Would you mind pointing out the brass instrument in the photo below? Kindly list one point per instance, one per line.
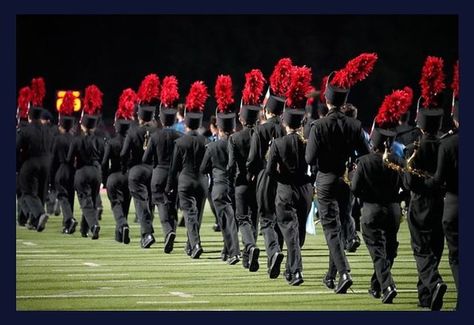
(409, 168)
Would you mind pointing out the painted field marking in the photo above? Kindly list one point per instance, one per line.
(91, 264)
(28, 243)
(112, 281)
(172, 302)
(99, 274)
(273, 293)
(181, 294)
(42, 255)
(37, 251)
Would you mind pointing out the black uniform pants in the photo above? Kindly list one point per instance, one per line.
(87, 183)
(34, 175)
(192, 196)
(139, 183)
(119, 197)
(22, 216)
(327, 186)
(292, 205)
(425, 215)
(348, 230)
(246, 214)
(64, 184)
(451, 231)
(167, 204)
(266, 192)
(211, 202)
(380, 224)
(221, 196)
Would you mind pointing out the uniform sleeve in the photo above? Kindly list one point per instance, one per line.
(439, 177)
(72, 151)
(206, 164)
(125, 153)
(254, 161)
(148, 154)
(362, 145)
(55, 160)
(271, 168)
(311, 153)
(358, 181)
(105, 159)
(175, 168)
(231, 165)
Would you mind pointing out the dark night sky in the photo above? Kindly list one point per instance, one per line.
(116, 52)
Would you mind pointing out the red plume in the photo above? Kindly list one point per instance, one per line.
(38, 91)
(93, 100)
(455, 83)
(67, 106)
(253, 88)
(197, 97)
(149, 89)
(432, 80)
(300, 86)
(355, 70)
(169, 91)
(24, 98)
(280, 77)
(127, 101)
(223, 93)
(393, 107)
(323, 89)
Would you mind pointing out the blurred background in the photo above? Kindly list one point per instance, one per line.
(117, 51)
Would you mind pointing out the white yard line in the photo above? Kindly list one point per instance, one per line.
(91, 264)
(181, 294)
(112, 281)
(172, 302)
(98, 274)
(28, 243)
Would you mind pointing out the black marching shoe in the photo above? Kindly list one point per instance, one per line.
(296, 279)
(224, 255)
(345, 282)
(424, 305)
(147, 241)
(30, 225)
(118, 235)
(287, 275)
(72, 226)
(196, 252)
(42, 222)
(95, 232)
(233, 260)
(353, 245)
(389, 294)
(216, 227)
(329, 282)
(254, 253)
(169, 242)
(376, 293)
(126, 235)
(274, 269)
(438, 294)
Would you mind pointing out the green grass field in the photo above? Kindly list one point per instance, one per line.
(67, 272)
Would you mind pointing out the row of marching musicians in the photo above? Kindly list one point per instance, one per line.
(262, 175)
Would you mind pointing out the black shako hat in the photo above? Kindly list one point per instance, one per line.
(89, 121)
(168, 115)
(429, 118)
(379, 136)
(193, 120)
(35, 112)
(122, 126)
(273, 104)
(335, 95)
(67, 122)
(226, 120)
(146, 113)
(249, 114)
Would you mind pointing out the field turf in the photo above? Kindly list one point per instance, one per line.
(67, 272)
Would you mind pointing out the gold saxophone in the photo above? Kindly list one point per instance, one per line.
(410, 162)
